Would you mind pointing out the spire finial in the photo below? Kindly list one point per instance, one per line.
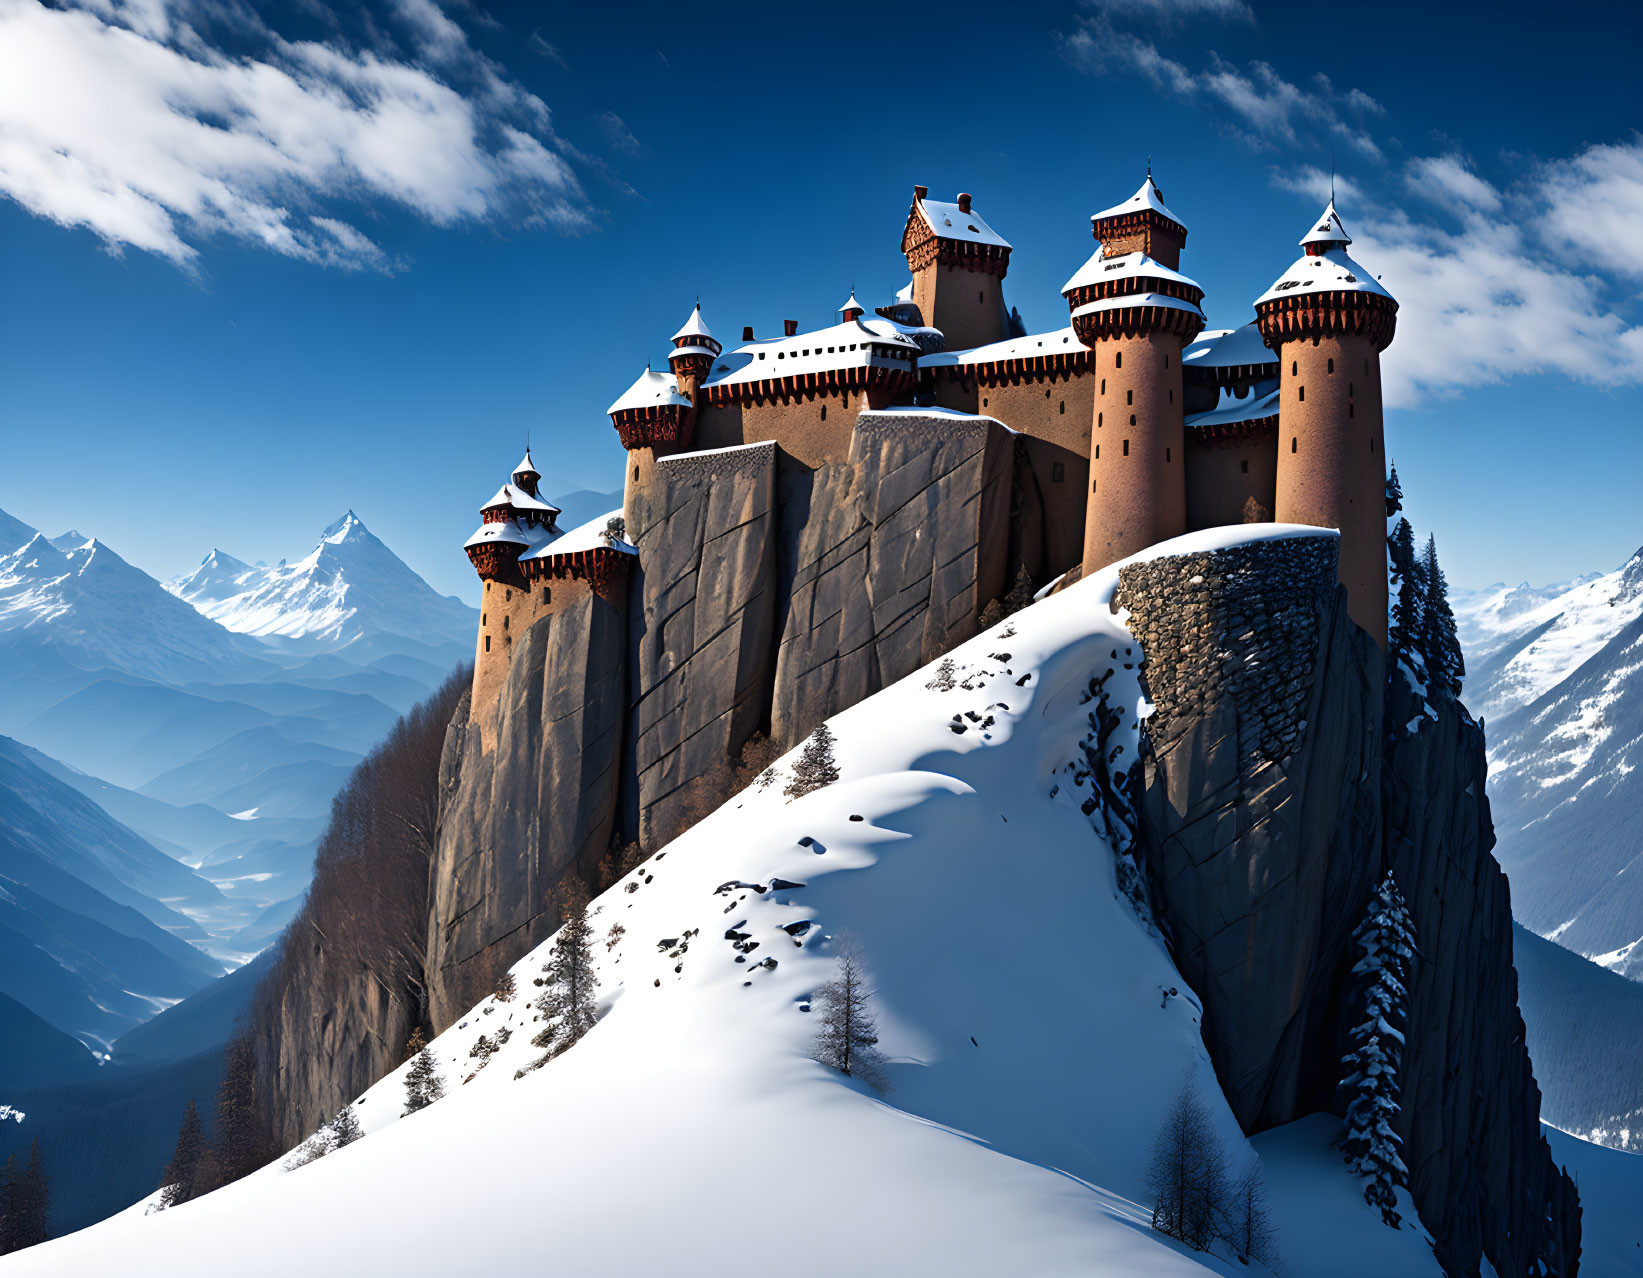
(1332, 174)
(1149, 168)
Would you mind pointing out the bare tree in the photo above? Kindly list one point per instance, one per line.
(1187, 1175)
(1249, 1221)
(847, 1038)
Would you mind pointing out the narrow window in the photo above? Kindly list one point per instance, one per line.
(1126, 448)
(1058, 473)
(1118, 360)
(1092, 485)
(1300, 394)
(1166, 361)
(824, 412)
(1098, 452)
(504, 622)
(1166, 455)
(482, 619)
(984, 401)
(487, 587)
(1132, 422)
(1332, 366)
(980, 299)
(1294, 367)
(1245, 465)
(1129, 397)
(636, 470)
(507, 595)
(1103, 385)
(1063, 408)
(1098, 418)
(487, 643)
(1294, 444)
(1351, 410)
(1172, 397)
(1046, 392)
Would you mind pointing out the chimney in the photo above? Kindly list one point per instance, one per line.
(919, 192)
(747, 333)
(963, 201)
(791, 327)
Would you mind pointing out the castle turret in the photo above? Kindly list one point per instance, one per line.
(852, 309)
(693, 353)
(526, 476)
(1135, 312)
(958, 264)
(1328, 321)
(654, 418)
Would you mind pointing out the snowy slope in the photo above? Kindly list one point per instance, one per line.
(1027, 1012)
(90, 601)
(349, 589)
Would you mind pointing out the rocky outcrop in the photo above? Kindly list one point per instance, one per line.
(1260, 826)
(893, 555)
(514, 818)
(1479, 1169)
(702, 640)
(1273, 803)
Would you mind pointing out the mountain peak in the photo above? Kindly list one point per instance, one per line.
(349, 528)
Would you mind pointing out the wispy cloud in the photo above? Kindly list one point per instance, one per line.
(120, 117)
(617, 133)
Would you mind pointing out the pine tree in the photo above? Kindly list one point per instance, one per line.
(1187, 1174)
(25, 1203)
(9, 1187)
(506, 987)
(345, 1128)
(190, 1172)
(1371, 1068)
(1394, 493)
(569, 998)
(423, 1081)
(241, 1145)
(1404, 635)
(1440, 644)
(847, 1038)
(816, 767)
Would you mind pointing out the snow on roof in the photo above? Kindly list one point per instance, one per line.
(650, 390)
(1136, 299)
(950, 222)
(1231, 410)
(845, 345)
(504, 532)
(1328, 229)
(1331, 271)
(1033, 346)
(588, 536)
(1148, 197)
(1128, 267)
(851, 304)
(695, 326)
(1229, 348)
(527, 467)
(691, 348)
(905, 294)
(519, 499)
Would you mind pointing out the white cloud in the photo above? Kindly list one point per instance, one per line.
(1448, 182)
(120, 119)
(1168, 11)
(1594, 205)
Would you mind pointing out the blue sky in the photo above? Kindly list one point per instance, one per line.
(260, 266)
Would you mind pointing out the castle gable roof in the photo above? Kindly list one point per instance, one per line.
(1061, 341)
(1100, 270)
(1229, 348)
(650, 390)
(949, 222)
(1147, 198)
(1331, 271)
(588, 536)
(855, 343)
(1328, 229)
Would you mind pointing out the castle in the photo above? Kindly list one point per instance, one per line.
(1134, 424)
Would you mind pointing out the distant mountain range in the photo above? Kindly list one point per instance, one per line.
(1555, 671)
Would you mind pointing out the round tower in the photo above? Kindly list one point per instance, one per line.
(1135, 312)
(526, 476)
(653, 418)
(1328, 320)
(692, 356)
(852, 309)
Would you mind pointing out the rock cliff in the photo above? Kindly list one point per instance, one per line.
(1273, 802)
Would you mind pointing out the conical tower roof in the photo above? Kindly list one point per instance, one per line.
(527, 467)
(1327, 232)
(695, 326)
(1148, 198)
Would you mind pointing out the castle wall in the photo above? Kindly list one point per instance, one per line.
(1332, 461)
(506, 611)
(813, 431)
(968, 306)
(1223, 476)
(1137, 465)
(1055, 414)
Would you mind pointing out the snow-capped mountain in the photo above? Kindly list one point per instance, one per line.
(1027, 1013)
(87, 600)
(1556, 673)
(349, 590)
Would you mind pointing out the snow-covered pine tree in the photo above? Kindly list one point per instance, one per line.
(1187, 1174)
(816, 767)
(569, 998)
(345, 1128)
(1404, 635)
(189, 1173)
(1370, 1081)
(1440, 644)
(1394, 493)
(847, 1037)
(423, 1082)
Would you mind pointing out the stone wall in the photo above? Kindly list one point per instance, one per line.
(1260, 813)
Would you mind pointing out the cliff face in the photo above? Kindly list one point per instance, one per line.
(1479, 1169)
(1273, 803)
